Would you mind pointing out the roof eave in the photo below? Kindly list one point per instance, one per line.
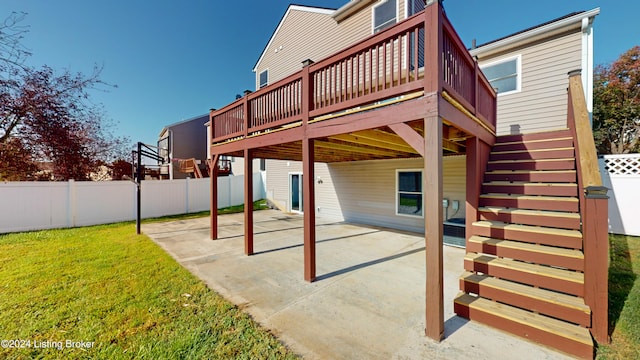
(291, 7)
(536, 33)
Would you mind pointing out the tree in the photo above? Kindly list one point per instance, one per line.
(50, 116)
(616, 100)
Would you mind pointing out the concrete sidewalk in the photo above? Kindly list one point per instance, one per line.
(367, 303)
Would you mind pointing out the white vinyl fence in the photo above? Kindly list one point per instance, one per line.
(621, 174)
(45, 205)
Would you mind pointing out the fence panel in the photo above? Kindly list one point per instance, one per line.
(621, 174)
(29, 206)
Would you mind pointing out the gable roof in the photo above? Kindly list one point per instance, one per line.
(292, 7)
(536, 32)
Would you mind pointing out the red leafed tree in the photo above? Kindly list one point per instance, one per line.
(48, 118)
(616, 104)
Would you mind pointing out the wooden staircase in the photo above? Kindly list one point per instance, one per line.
(525, 261)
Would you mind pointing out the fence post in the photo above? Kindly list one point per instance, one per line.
(71, 203)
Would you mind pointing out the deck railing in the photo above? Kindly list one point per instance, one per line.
(593, 210)
(392, 63)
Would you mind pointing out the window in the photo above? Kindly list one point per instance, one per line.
(264, 79)
(385, 14)
(409, 192)
(415, 6)
(504, 75)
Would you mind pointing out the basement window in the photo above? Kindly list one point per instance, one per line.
(504, 75)
(409, 200)
(385, 14)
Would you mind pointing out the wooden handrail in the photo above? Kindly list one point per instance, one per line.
(593, 211)
(589, 169)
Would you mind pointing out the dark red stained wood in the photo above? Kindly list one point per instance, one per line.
(432, 184)
(530, 237)
(553, 205)
(596, 251)
(525, 255)
(248, 202)
(308, 205)
(549, 308)
(556, 164)
(410, 136)
(532, 176)
(537, 220)
(534, 279)
(477, 154)
(540, 154)
(534, 136)
(213, 204)
(530, 189)
(398, 113)
(530, 333)
(535, 145)
(462, 121)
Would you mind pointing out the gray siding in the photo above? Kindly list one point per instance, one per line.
(542, 102)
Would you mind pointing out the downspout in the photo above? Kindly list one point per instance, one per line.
(587, 64)
(170, 154)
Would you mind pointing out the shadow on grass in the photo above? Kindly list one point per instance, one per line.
(621, 277)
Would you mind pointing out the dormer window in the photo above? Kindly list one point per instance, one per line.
(385, 14)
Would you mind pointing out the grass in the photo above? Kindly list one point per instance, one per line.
(257, 205)
(106, 285)
(624, 299)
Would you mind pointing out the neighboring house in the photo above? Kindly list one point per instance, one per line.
(366, 136)
(181, 141)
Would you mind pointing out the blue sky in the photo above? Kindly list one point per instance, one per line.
(173, 60)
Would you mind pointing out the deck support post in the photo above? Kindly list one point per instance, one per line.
(433, 217)
(248, 202)
(477, 157)
(213, 205)
(308, 206)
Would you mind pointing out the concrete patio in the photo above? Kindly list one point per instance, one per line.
(368, 301)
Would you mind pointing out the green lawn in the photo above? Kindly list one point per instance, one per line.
(624, 299)
(107, 286)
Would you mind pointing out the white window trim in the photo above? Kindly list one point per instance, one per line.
(259, 75)
(518, 59)
(289, 204)
(398, 171)
(373, 14)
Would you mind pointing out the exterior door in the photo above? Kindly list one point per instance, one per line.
(295, 192)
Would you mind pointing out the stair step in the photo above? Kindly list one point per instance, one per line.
(531, 175)
(560, 306)
(532, 154)
(548, 143)
(531, 188)
(571, 239)
(558, 334)
(538, 254)
(557, 219)
(534, 202)
(531, 164)
(566, 281)
(557, 133)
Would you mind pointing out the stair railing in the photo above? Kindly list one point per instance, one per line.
(593, 210)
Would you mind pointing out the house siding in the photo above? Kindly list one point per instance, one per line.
(298, 27)
(365, 191)
(541, 104)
